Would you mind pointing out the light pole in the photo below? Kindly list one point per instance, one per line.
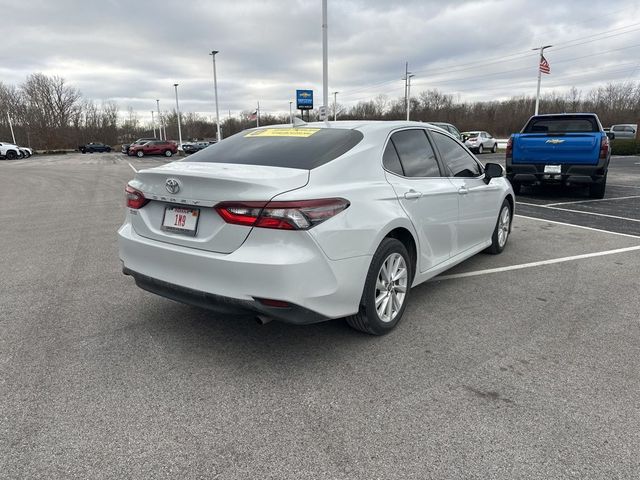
(215, 90)
(335, 108)
(159, 121)
(291, 112)
(539, 74)
(153, 124)
(325, 61)
(178, 112)
(409, 94)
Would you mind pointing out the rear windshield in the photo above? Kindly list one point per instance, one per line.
(305, 148)
(562, 124)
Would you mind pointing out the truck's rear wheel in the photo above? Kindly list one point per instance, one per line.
(596, 189)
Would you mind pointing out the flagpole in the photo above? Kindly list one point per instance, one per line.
(11, 127)
(258, 115)
(539, 75)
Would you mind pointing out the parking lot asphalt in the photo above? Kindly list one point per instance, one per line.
(522, 365)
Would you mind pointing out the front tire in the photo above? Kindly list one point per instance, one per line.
(502, 230)
(139, 154)
(480, 149)
(386, 289)
(495, 148)
(168, 153)
(11, 155)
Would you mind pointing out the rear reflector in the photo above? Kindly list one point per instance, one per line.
(135, 198)
(292, 215)
(269, 302)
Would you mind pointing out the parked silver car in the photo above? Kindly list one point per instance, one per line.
(480, 141)
(624, 130)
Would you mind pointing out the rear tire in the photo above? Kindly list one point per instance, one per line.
(108, 150)
(139, 154)
(11, 155)
(386, 289)
(495, 148)
(480, 149)
(168, 153)
(502, 230)
(596, 190)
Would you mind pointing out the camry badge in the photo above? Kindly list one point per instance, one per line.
(554, 141)
(172, 185)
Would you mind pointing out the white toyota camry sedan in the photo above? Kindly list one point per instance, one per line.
(309, 223)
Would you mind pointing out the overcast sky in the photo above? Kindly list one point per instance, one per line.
(133, 51)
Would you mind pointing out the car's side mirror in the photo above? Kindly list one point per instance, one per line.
(611, 135)
(492, 170)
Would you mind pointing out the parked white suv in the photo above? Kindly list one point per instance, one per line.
(9, 151)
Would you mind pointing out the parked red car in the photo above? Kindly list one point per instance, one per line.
(155, 147)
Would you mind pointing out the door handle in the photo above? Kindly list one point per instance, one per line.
(412, 194)
(463, 190)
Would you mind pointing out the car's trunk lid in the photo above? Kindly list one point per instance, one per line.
(201, 186)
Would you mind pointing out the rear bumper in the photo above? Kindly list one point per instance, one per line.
(532, 173)
(279, 265)
(225, 305)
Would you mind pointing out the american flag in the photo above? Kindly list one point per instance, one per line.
(253, 116)
(544, 65)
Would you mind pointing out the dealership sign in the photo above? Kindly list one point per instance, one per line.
(304, 99)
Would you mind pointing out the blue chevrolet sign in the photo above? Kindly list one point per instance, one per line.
(304, 99)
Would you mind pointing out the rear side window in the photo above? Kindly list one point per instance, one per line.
(562, 124)
(456, 158)
(304, 148)
(416, 154)
(391, 161)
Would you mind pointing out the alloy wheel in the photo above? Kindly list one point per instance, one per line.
(503, 226)
(391, 287)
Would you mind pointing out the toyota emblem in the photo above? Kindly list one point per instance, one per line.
(172, 185)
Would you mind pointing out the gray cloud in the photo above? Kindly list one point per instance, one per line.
(133, 52)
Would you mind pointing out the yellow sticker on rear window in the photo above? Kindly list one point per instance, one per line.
(283, 132)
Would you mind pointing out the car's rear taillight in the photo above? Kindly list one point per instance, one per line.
(135, 198)
(291, 215)
(604, 147)
(509, 153)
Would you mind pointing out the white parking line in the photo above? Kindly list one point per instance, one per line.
(133, 168)
(580, 211)
(579, 226)
(589, 201)
(536, 264)
(624, 186)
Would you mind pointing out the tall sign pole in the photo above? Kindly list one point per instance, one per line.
(175, 85)
(215, 89)
(335, 106)
(539, 74)
(325, 61)
(153, 124)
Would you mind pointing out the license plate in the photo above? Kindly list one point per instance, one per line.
(552, 169)
(181, 220)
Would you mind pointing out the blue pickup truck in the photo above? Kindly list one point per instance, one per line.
(568, 148)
